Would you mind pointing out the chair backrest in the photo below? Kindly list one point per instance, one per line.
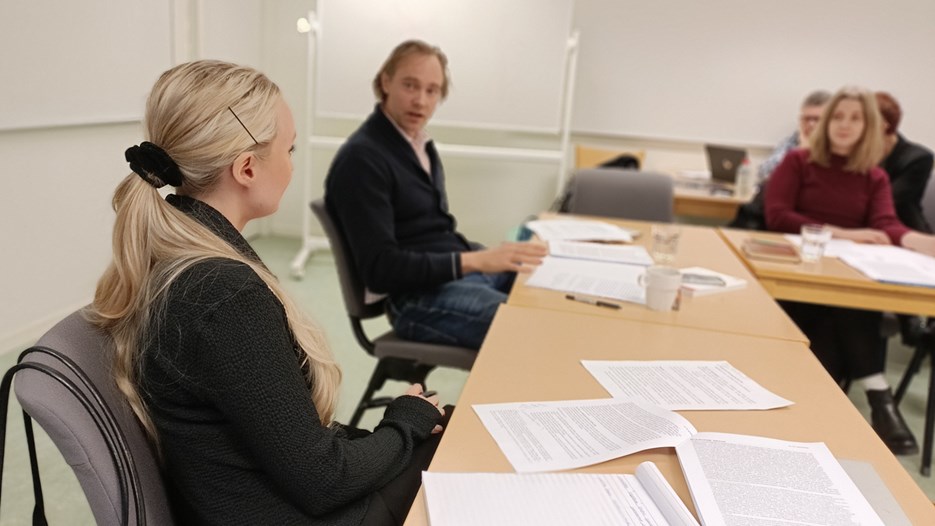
(627, 194)
(352, 288)
(592, 157)
(72, 426)
(928, 202)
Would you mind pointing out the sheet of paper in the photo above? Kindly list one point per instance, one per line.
(738, 479)
(578, 229)
(683, 384)
(551, 436)
(593, 278)
(891, 264)
(544, 499)
(627, 254)
(834, 249)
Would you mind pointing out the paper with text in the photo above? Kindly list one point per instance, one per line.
(683, 384)
(554, 499)
(594, 278)
(626, 254)
(892, 264)
(550, 436)
(755, 481)
(579, 229)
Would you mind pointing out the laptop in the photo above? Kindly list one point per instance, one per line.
(724, 161)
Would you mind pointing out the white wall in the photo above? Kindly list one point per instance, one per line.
(55, 217)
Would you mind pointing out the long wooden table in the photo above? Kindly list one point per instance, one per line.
(748, 311)
(533, 354)
(830, 282)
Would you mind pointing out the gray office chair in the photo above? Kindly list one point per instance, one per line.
(626, 194)
(64, 382)
(924, 347)
(397, 359)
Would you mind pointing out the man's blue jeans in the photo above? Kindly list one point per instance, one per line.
(456, 313)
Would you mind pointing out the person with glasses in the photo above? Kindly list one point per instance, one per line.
(386, 192)
(750, 215)
(234, 385)
(809, 113)
(837, 181)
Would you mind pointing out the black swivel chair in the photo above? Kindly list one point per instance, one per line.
(924, 347)
(65, 384)
(397, 359)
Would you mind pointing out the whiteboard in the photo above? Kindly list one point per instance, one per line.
(77, 62)
(735, 71)
(506, 57)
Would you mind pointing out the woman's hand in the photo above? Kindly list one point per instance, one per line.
(417, 391)
(869, 236)
(923, 243)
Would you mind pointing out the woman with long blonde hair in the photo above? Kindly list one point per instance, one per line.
(836, 181)
(234, 385)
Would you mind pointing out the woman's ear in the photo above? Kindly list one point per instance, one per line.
(244, 169)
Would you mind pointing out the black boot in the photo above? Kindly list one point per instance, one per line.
(889, 424)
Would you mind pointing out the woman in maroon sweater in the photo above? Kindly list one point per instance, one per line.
(836, 181)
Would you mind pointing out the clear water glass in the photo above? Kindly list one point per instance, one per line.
(815, 239)
(665, 244)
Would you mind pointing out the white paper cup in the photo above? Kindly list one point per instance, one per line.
(662, 286)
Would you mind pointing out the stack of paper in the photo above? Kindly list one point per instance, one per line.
(580, 230)
(552, 436)
(737, 479)
(593, 278)
(680, 385)
(625, 254)
(554, 499)
(891, 264)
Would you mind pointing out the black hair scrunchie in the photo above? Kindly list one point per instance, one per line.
(154, 165)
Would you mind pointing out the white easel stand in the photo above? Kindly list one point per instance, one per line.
(310, 243)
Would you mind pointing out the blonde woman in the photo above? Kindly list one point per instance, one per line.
(836, 181)
(233, 384)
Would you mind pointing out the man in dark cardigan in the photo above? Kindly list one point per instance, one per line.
(386, 192)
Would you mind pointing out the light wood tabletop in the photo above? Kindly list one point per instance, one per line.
(829, 282)
(749, 310)
(534, 354)
(701, 203)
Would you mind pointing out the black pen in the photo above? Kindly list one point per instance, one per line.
(426, 394)
(592, 301)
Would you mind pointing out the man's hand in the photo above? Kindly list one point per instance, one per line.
(869, 236)
(515, 257)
